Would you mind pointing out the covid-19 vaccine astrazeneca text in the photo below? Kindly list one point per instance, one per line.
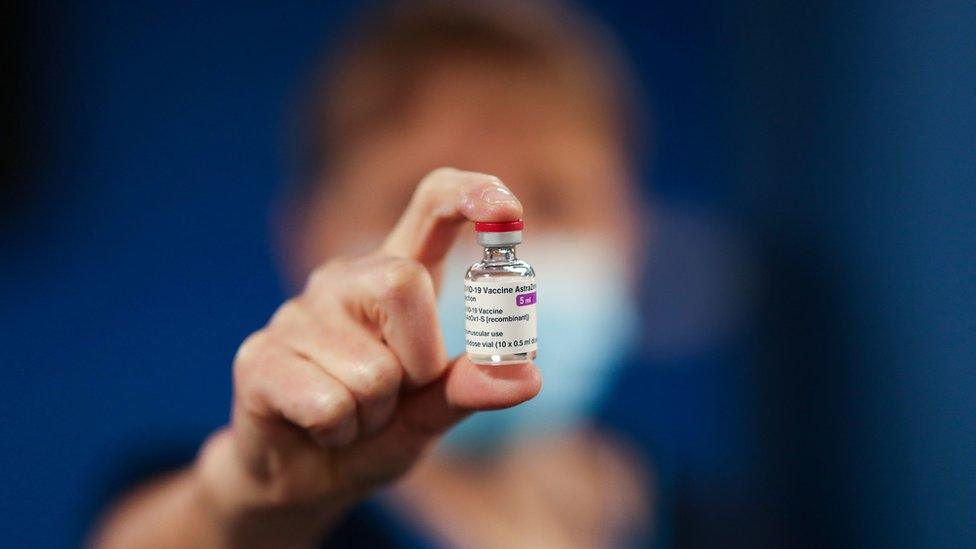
(500, 299)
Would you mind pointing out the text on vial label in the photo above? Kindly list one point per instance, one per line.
(500, 316)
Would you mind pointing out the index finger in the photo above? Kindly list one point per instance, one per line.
(444, 199)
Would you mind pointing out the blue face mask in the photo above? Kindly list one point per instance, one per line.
(587, 319)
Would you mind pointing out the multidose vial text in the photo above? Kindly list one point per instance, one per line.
(500, 299)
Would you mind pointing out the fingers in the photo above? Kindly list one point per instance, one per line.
(394, 296)
(425, 414)
(394, 290)
(467, 388)
(360, 353)
(274, 383)
(442, 201)
(366, 367)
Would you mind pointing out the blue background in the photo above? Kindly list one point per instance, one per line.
(823, 151)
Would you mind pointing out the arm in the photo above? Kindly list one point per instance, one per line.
(341, 392)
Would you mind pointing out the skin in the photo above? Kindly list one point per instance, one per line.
(571, 173)
(344, 388)
(348, 385)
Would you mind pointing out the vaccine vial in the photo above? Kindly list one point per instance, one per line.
(500, 299)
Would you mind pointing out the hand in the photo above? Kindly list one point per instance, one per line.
(349, 382)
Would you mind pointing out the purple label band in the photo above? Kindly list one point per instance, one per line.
(525, 299)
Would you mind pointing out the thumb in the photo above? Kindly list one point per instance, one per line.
(465, 388)
(424, 414)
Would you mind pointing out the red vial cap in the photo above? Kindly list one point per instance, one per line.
(498, 226)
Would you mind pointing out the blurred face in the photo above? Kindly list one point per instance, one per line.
(548, 145)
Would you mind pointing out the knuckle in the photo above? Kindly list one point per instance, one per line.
(255, 355)
(321, 277)
(286, 313)
(402, 278)
(439, 173)
(292, 319)
(324, 410)
(255, 350)
(435, 182)
(376, 379)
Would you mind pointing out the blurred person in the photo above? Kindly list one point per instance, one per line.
(349, 387)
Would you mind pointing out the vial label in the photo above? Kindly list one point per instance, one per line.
(500, 316)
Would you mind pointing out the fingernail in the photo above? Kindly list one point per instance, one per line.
(498, 195)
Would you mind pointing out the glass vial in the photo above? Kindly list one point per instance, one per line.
(500, 299)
